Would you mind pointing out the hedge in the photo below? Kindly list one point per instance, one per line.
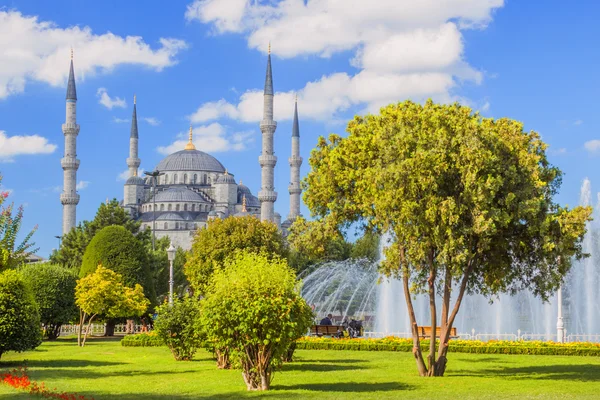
(142, 340)
(457, 346)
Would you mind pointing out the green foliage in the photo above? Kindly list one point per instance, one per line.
(105, 293)
(117, 249)
(222, 238)
(159, 269)
(312, 242)
(467, 201)
(254, 309)
(142, 340)
(179, 327)
(75, 242)
(19, 315)
(53, 288)
(367, 246)
(456, 346)
(12, 253)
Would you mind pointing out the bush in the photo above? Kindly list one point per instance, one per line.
(142, 340)
(179, 327)
(253, 308)
(19, 315)
(54, 291)
(456, 346)
(222, 238)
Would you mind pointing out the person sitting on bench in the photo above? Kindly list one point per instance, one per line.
(326, 320)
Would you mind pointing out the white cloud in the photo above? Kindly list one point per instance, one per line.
(593, 146)
(107, 101)
(151, 121)
(404, 49)
(123, 176)
(211, 138)
(578, 122)
(34, 50)
(11, 146)
(120, 120)
(82, 185)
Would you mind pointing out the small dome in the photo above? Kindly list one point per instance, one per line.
(226, 178)
(179, 195)
(135, 180)
(190, 160)
(170, 216)
(243, 189)
(212, 213)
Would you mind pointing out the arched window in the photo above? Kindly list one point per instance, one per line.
(175, 179)
(185, 178)
(185, 207)
(195, 178)
(204, 179)
(176, 207)
(193, 207)
(195, 226)
(166, 179)
(155, 207)
(169, 207)
(176, 225)
(166, 226)
(162, 207)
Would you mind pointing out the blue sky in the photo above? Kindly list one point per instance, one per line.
(203, 62)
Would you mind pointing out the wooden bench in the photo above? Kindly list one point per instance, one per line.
(326, 330)
(425, 332)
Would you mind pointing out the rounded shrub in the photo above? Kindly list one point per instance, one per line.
(53, 288)
(179, 327)
(254, 310)
(19, 315)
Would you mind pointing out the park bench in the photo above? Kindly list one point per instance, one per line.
(326, 330)
(425, 332)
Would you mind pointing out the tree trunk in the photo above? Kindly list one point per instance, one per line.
(417, 353)
(110, 328)
(223, 358)
(289, 354)
(433, 312)
(87, 331)
(82, 317)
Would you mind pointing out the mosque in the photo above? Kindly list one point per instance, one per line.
(189, 187)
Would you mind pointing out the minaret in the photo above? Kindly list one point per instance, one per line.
(295, 163)
(69, 197)
(267, 160)
(133, 162)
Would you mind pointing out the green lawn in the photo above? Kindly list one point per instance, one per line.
(105, 370)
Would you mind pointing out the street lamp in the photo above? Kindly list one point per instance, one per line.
(154, 175)
(171, 256)
(560, 325)
(59, 238)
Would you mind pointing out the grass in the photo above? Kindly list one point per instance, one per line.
(106, 370)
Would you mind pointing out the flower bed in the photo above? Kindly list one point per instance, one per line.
(458, 346)
(18, 379)
(142, 340)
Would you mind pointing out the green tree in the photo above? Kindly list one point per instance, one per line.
(180, 327)
(312, 242)
(467, 201)
(53, 288)
(367, 246)
(13, 253)
(159, 269)
(75, 242)
(222, 238)
(104, 293)
(253, 308)
(19, 315)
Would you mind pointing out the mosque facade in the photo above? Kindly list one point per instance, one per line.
(189, 187)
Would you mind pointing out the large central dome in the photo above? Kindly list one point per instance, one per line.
(190, 160)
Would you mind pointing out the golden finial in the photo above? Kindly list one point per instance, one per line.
(269, 47)
(226, 173)
(244, 203)
(134, 98)
(71, 53)
(241, 183)
(190, 144)
(107, 201)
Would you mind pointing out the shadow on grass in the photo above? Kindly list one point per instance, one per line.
(347, 387)
(495, 360)
(337, 361)
(319, 367)
(582, 373)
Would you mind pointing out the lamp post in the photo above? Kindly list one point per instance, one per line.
(154, 175)
(171, 256)
(560, 325)
(59, 238)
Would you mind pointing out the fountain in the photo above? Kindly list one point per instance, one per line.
(354, 289)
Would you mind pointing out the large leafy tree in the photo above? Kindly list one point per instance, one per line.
(253, 308)
(75, 242)
(222, 238)
(13, 253)
(467, 202)
(105, 293)
(19, 315)
(53, 288)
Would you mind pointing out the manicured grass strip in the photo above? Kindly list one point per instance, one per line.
(455, 346)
